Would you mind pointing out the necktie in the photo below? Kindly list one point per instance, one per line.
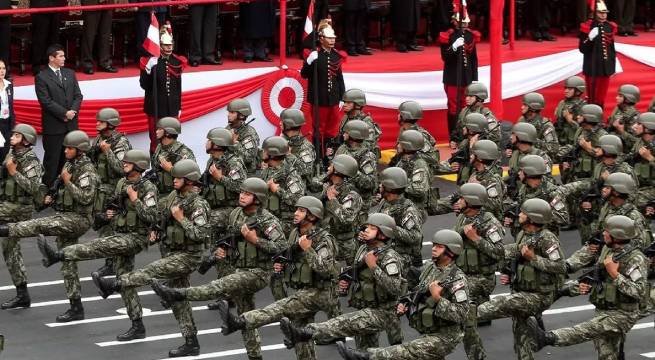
(58, 72)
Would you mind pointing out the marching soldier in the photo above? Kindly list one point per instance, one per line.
(476, 93)
(582, 156)
(354, 101)
(19, 186)
(482, 251)
(303, 149)
(137, 198)
(409, 113)
(310, 271)
(537, 268)
(642, 156)
(475, 130)
(244, 135)
(599, 57)
(524, 136)
(533, 103)
(378, 283)
(186, 225)
(417, 169)
(107, 151)
(72, 199)
(565, 129)
(618, 295)
(624, 114)
(258, 236)
(440, 311)
(168, 153)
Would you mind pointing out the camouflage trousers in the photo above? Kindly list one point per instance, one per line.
(581, 258)
(67, 227)
(364, 325)
(607, 330)
(241, 287)
(10, 213)
(218, 221)
(121, 247)
(175, 269)
(300, 308)
(427, 347)
(480, 288)
(519, 306)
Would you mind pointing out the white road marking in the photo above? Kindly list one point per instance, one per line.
(86, 299)
(45, 283)
(117, 317)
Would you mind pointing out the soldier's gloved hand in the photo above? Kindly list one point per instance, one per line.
(312, 57)
(458, 43)
(593, 33)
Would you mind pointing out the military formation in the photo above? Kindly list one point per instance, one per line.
(267, 213)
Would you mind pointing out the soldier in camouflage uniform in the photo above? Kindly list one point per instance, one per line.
(419, 172)
(366, 181)
(184, 229)
(376, 285)
(223, 176)
(618, 189)
(439, 312)
(625, 111)
(301, 148)
(574, 87)
(258, 236)
(581, 157)
(354, 101)
(538, 269)
(547, 141)
(482, 251)
(137, 198)
(246, 136)
(20, 177)
(107, 151)
(409, 113)
(642, 156)
(73, 204)
(310, 271)
(168, 152)
(476, 94)
(524, 136)
(618, 296)
(531, 173)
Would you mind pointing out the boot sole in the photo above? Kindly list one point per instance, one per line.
(136, 337)
(192, 353)
(18, 306)
(76, 318)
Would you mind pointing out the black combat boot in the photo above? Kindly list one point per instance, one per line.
(231, 322)
(189, 348)
(541, 337)
(50, 255)
(254, 357)
(4, 230)
(22, 299)
(107, 269)
(137, 331)
(351, 354)
(294, 335)
(107, 286)
(214, 305)
(168, 295)
(76, 312)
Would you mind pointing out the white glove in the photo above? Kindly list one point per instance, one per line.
(593, 33)
(458, 43)
(312, 56)
(2, 141)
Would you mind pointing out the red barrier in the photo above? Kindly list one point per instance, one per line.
(495, 48)
(512, 23)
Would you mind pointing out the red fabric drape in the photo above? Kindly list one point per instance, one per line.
(195, 103)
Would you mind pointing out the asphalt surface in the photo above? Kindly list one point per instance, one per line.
(33, 334)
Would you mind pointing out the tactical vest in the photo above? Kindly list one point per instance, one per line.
(607, 296)
(299, 274)
(247, 255)
(398, 215)
(9, 189)
(529, 278)
(275, 205)
(586, 163)
(424, 319)
(471, 260)
(175, 240)
(366, 293)
(216, 194)
(64, 200)
(102, 163)
(129, 221)
(644, 170)
(165, 179)
(342, 231)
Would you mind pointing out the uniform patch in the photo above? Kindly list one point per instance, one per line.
(553, 253)
(460, 296)
(293, 187)
(427, 147)
(84, 181)
(248, 143)
(307, 156)
(273, 232)
(198, 217)
(234, 174)
(120, 155)
(391, 269)
(494, 235)
(348, 201)
(548, 135)
(417, 176)
(368, 168)
(323, 252)
(557, 204)
(149, 200)
(408, 222)
(31, 172)
(634, 273)
(492, 192)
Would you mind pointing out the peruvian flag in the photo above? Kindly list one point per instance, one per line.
(151, 44)
(309, 22)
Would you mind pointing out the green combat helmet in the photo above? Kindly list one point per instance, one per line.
(537, 210)
(525, 132)
(28, 132)
(450, 239)
(345, 165)
(357, 129)
(220, 137)
(139, 158)
(312, 204)
(410, 111)
(533, 165)
(476, 123)
(630, 93)
(474, 194)
(479, 90)
(621, 227)
(355, 96)
(276, 146)
(575, 82)
(534, 101)
(77, 139)
(592, 113)
(170, 125)
(241, 106)
(257, 187)
(186, 169)
(486, 150)
(611, 145)
(411, 140)
(109, 115)
(393, 178)
(384, 222)
(292, 118)
(621, 183)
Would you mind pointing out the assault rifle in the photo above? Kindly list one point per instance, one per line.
(461, 156)
(286, 256)
(95, 151)
(596, 275)
(650, 250)
(512, 269)
(350, 273)
(413, 298)
(53, 190)
(512, 211)
(220, 163)
(635, 157)
(512, 184)
(227, 242)
(160, 227)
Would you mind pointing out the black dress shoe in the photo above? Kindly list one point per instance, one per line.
(401, 48)
(548, 37)
(247, 60)
(632, 33)
(414, 48)
(352, 53)
(264, 59)
(364, 52)
(622, 33)
(212, 62)
(109, 69)
(88, 71)
(194, 63)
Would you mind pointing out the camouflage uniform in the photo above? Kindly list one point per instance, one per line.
(248, 145)
(374, 295)
(585, 163)
(626, 113)
(173, 152)
(311, 275)
(546, 134)
(514, 165)
(533, 289)
(494, 126)
(479, 261)
(429, 152)
(341, 217)
(564, 130)
(366, 180)
(184, 241)
(305, 152)
(645, 172)
(253, 269)
(420, 178)
(549, 192)
(373, 136)
(441, 332)
(16, 204)
(73, 206)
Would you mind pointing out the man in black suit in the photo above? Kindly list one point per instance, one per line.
(60, 98)
(45, 32)
(355, 14)
(96, 31)
(405, 17)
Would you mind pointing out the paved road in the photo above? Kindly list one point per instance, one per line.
(33, 334)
